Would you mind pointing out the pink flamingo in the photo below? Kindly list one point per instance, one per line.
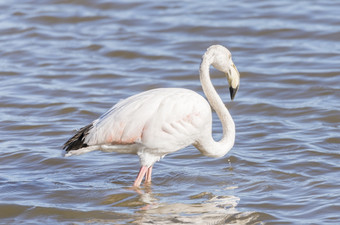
(157, 122)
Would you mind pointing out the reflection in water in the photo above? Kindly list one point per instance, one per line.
(151, 209)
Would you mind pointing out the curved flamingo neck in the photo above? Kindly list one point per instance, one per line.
(209, 146)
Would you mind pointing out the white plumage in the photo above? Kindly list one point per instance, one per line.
(160, 121)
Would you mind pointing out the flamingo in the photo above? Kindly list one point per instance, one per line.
(160, 121)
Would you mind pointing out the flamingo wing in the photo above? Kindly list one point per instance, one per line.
(165, 119)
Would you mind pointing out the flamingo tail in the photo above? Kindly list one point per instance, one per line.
(77, 141)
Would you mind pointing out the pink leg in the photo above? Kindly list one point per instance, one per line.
(148, 175)
(140, 176)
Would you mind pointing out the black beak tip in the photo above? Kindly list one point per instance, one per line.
(233, 92)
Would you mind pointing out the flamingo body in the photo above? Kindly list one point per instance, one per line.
(161, 121)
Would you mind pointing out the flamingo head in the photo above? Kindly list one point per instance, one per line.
(221, 59)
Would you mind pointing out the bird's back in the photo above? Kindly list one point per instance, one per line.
(165, 119)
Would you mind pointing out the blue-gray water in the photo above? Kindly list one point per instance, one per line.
(64, 63)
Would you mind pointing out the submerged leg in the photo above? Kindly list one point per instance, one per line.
(140, 176)
(148, 175)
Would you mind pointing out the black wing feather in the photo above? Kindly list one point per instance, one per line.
(77, 141)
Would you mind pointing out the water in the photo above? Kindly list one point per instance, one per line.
(64, 63)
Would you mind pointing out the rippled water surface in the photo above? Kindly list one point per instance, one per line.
(64, 63)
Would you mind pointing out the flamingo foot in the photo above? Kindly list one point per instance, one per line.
(142, 172)
(140, 176)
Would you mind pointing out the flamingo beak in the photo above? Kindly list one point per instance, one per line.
(234, 81)
(233, 92)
